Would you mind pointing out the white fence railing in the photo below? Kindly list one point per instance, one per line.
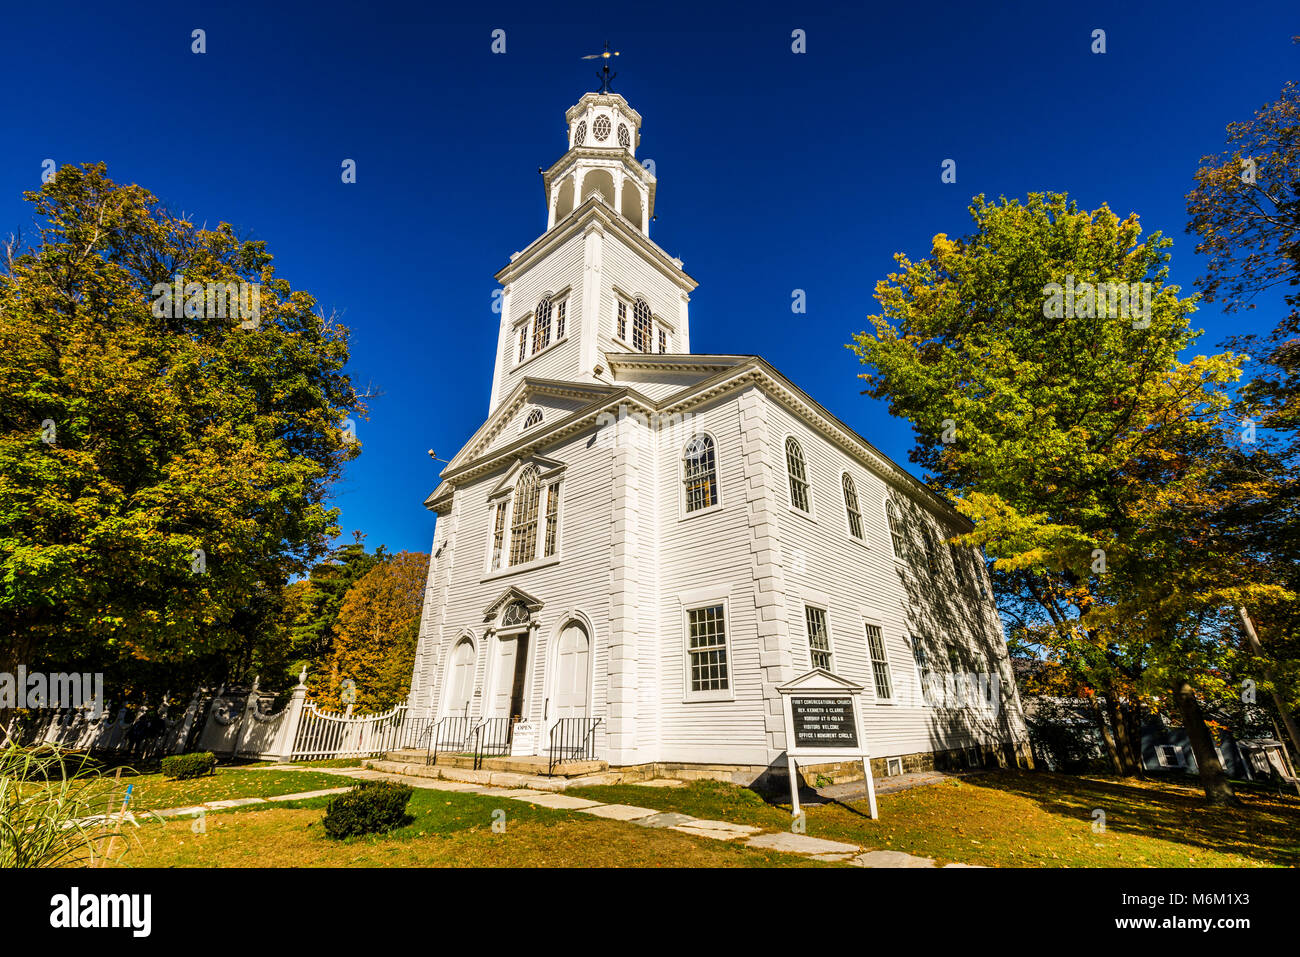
(235, 726)
(322, 735)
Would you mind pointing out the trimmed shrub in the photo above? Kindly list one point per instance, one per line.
(180, 767)
(370, 808)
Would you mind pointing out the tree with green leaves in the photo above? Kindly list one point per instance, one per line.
(315, 628)
(1038, 362)
(164, 468)
(1245, 212)
(377, 629)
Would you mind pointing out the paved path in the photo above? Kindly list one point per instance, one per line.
(786, 842)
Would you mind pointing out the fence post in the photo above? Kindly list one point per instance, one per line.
(187, 723)
(288, 731)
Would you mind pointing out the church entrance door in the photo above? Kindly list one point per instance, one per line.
(572, 672)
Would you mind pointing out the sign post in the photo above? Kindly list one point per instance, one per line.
(822, 722)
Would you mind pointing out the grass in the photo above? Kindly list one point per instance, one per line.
(1019, 819)
(449, 829)
(1001, 819)
(156, 793)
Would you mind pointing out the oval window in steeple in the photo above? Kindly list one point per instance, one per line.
(600, 128)
(580, 134)
(624, 137)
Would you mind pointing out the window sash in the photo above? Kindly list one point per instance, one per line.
(707, 648)
(819, 642)
(498, 536)
(523, 528)
(879, 662)
(642, 326)
(895, 530)
(851, 506)
(560, 309)
(552, 517)
(542, 326)
(794, 466)
(700, 475)
(622, 320)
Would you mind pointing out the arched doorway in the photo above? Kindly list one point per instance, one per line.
(460, 679)
(572, 672)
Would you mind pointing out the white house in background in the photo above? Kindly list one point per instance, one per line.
(659, 539)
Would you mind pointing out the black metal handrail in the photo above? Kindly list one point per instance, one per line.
(576, 741)
(492, 738)
(449, 733)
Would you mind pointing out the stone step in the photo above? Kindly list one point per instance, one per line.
(516, 764)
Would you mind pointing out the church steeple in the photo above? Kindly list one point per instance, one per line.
(593, 283)
(604, 133)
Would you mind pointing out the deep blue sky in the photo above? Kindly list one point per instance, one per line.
(776, 171)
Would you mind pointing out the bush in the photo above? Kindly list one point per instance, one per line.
(181, 767)
(370, 808)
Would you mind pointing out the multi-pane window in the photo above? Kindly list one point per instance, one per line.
(879, 663)
(794, 466)
(523, 524)
(819, 640)
(707, 648)
(542, 326)
(498, 535)
(700, 473)
(560, 308)
(642, 326)
(663, 341)
(896, 530)
(622, 320)
(552, 517)
(924, 673)
(851, 506)
(931, 553)
(523, 343)
(959, 565)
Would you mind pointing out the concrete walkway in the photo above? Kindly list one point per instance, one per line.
(786, 842)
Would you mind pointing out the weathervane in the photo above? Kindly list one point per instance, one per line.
(604, 75)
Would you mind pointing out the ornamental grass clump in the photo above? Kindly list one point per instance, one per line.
(52, 807)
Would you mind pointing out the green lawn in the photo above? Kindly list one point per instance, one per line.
(449, 829)
(1008, 818)
(156, 793)
(1022, 819)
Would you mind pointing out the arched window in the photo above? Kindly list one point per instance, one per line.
(794, 465)
(700, 473)
(931, 553)
(642, 326)
(896, 531)
(523, 522)
(542, 326)
(534, 418)
(851, 506)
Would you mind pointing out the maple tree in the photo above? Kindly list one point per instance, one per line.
(1090, 457)
(376, 632)
(162, 474)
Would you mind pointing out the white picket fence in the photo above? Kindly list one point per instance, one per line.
(236, 726)
(322, 735)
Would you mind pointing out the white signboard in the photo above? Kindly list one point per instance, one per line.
(822, 724)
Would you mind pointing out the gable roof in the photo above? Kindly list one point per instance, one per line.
(710, 377)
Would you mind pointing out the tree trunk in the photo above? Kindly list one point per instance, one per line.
(1218, 791)
(1258, 649)
(1124, 747)
(1111, 749)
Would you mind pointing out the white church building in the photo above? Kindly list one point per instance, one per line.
(641, 544)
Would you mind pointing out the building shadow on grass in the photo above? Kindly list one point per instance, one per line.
(1266, 828)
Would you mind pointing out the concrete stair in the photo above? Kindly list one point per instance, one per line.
(505, 771)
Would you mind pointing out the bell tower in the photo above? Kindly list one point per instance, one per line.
(604, 133)
(593, 282)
